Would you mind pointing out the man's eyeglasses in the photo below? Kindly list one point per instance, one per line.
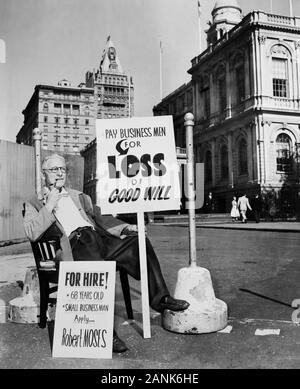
(55, 169)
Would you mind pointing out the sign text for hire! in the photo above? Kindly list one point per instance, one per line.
(85, 310)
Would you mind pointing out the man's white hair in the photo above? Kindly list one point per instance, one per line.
(49, 157)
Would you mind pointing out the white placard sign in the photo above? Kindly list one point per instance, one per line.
(137, 168)
(85, 310)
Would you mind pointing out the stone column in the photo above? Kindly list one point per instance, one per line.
(230, 162)
(228, 90)
(197, 107)
(212, 90)
(213, 161)
(247, 72)
(250, 153)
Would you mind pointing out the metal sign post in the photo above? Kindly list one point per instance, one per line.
(206, 313)
(189, 124)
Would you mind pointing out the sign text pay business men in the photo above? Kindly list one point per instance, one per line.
(137, 168)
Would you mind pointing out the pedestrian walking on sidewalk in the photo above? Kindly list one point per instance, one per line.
(209, 204)
(235, 214)
(272, 209)
(243, 205)
(256, 206)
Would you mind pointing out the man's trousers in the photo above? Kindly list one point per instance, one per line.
(99, 245)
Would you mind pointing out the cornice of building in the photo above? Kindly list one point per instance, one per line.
(61, 87)
(253, 20)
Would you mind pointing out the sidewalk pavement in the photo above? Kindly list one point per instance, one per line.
(250, 225)
(25, 346)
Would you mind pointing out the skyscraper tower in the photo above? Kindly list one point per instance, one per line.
(113, 88)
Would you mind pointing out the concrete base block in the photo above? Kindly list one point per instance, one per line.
(207, 319)
(26, 309)
(2, 311)
(23, 310)
(205, 314)
(31, 284)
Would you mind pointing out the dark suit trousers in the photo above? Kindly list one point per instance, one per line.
(98, 245)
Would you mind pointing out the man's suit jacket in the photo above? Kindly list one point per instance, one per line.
(38, 221)
(243, 203)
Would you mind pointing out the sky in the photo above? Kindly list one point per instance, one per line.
(49, 40)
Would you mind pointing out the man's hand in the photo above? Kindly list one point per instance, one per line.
(131, 229)
(52, 199)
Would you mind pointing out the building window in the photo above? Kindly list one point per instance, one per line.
(87, 122)
(56, 119)
(240, 83)
(45, 107)
(67, 109)
(66, 120)
(205, 93)
(242, 157)
(222, 93)
(57, 108)
(239, 72)
(45, 119)
(75, 109)
(208, 167)
(224, 162)
(280, 77)
(284, 153)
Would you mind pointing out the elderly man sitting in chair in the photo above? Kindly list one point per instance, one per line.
(86, 235)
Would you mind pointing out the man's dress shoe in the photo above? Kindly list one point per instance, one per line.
(118, 345)
(172, 304)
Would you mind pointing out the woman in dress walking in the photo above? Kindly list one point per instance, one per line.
(235, 213)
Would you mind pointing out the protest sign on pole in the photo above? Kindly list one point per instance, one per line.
(85, 310)
(137, 172)
(137, 168)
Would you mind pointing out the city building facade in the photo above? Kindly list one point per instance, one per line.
(246, 97)
(66, 115)
(114, 91)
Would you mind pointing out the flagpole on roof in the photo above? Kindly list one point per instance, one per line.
(291, 9)
(129, 95)
(199, 26)
(160, 70)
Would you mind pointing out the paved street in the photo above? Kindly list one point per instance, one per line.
(255, 272)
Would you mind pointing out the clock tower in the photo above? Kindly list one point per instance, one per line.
(113, 87)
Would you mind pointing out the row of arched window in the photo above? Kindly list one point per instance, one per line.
(223, 161)
(286, 157)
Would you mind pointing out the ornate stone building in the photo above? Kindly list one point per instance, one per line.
(66, 115)
(246, 96)
(114, 91)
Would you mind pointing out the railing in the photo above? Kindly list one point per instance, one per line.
(280, 102)
(278, 19)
